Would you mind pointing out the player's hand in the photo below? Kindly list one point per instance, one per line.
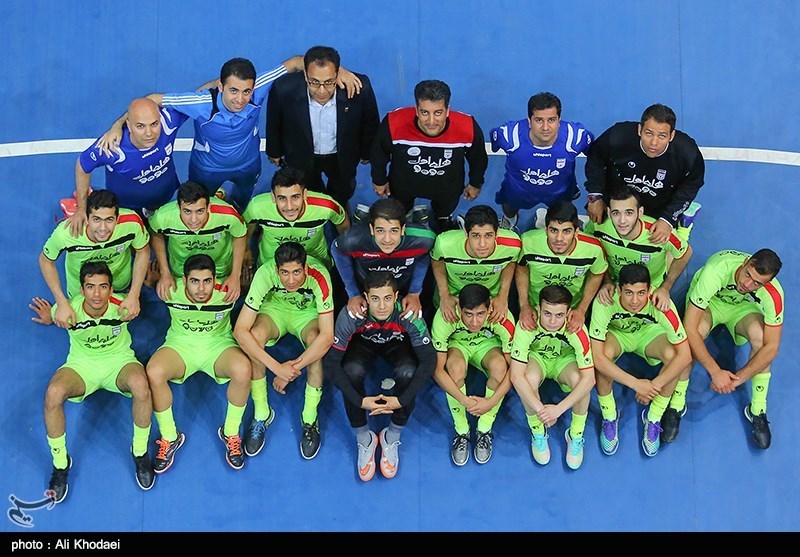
(129, 308)
(233, 288)
(166, 286)
(597, 210)
(527, 318)
(659, 233)
(275, 160)
(471, 192)
(661, 298)
(480, 407)
(77, 222)
(382, 191)
(348, 80)
(207, 85)
(577, 319)
(288, 371)
(549, 415)
(65, 316)
(645, 391)
(42, 309)
(447, 304)
(152, 275)
(411, 307)
(279, 385)
(724, 381)
(357, 307)
(498, 310)
(606, 293)
(109, 141)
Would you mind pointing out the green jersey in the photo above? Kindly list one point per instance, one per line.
(552, 345)
(715, 282)
(214, 238)
(463, 269)
(129, 232)
(192, 321)
(569, 270)
(315, 292)
(445, 334)
(621, 252)
(103, 336)
(307, 230)
(615, 318)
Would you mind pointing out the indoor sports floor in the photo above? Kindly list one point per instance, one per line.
(729, 69)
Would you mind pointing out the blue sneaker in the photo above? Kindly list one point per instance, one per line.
(651, 440)
(609, 435)
(254, 440)
(574, 451)
(540, 448)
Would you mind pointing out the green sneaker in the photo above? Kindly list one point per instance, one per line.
(574, 451)
(539, 447)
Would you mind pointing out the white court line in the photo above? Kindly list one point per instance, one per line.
(61, 146)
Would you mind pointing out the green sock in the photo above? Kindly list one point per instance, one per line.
(758, 400)
(608, 406)
(486, 421)
(459, 413)
(313, 396)
(577, 426)
(141, 435)
(258, 392)
(233, 419)
(166, 425)
(657, 407)
(58, 448)
(678, 399)
(536, 425)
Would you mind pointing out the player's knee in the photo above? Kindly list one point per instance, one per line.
(55, 395)
(139, 386)
(404, 373)
(156, 374)
(457, 371)
(756, 337)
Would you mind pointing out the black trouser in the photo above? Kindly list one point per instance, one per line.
(442, 204)
(340, 187)
(360, 359)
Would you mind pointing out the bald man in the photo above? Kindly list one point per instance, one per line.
(142, 169)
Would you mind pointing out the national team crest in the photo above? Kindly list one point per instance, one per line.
(168, 149)
(579, 271)
(217, 236)
(645, 257)
(561, 163)
(116, 330)
(661, 174)
(448, 153)
(219, 316)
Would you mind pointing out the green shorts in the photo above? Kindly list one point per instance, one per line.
(200, 355)
(473, 355)
(551, 369)
(100, 372)
(729, 315)
(288, 321)
(636, 343)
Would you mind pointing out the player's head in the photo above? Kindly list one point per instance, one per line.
(102, 211)
(634, 287)
(625, 209)
(290, 262)
(656, 129)
(96, 284)
(544, 116)
(480, 225)
(474, 301)
(237, 78)
(380, 292)
(387, 223)
(432, 98)
(554, 304)
(144, 123)
(321, 64)
(193, 199)
(199, 275)
(758, 270)
(289, 192)
(561, 225)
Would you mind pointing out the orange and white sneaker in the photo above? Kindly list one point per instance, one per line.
(390, 457)
(366, 458)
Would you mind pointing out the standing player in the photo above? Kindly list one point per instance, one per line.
(540, 158)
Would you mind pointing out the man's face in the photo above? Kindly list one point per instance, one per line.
(481, 241)
(144, 124)
(552, 316)
(634, 297)
(381, 302)
(655, 137)
(544, 126)
(236, 93)
(387, 234)
(560, 236)
(199, 285)
(474, 318)
(292, 275)
(194, 215)
(749, 280)
(290, 201)
(625, 216)
(321, 81)
(97, 290)
(432, 117)
(100, 224)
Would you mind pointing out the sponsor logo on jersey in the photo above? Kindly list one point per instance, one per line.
(631, 164)
(150, 152)
(413, 151)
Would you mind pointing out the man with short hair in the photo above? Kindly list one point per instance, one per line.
(634, 325)
(404, 343)
(199, 339)
(428, 146)
(540, 158)
(291, 296)
(473, 340)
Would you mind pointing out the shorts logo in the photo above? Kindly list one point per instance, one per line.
(116, 330)
(94, 157)
(631, 164)
(561, 163)
(413, 151)
(661, 174)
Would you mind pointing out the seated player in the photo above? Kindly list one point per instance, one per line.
(552, 352)
(472, 340)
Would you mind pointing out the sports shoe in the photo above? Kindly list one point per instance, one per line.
(540, 449)
(574, 450)
(483, 447)
(221, 194)
(761, 433)
(389, 456)
(366, 458)
(419, 214)
(459, 220)
(609, 435)
(671, 423)
(310, 442)
(166, 453)
(506, 223)
(459, 450)
(361, 212)
(145, 476)
(651, 440)
(58, 482)
(541, 217)
(233, 448)
(686, 220)
(254, 440)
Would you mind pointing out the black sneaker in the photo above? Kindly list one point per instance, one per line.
(761, 433)
(310, 442)
(58, 482)
(166, 453)
(483, 447)
(233, 449)
(671, 424)
(145, 476)
(254, 440)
